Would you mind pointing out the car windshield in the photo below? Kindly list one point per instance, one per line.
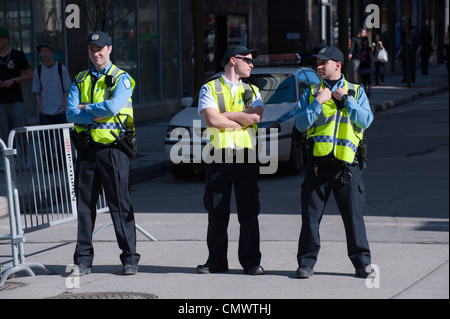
(275, 88)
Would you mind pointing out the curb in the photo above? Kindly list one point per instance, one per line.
(384, 105)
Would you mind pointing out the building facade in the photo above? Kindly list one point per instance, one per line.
(171, 47)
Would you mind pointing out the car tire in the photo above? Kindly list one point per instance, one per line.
(295, 164)
(181, 171)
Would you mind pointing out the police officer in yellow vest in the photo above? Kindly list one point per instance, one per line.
(334, 115)
(231, 109)
(99, 104)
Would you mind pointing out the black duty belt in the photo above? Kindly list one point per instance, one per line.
(331, 161)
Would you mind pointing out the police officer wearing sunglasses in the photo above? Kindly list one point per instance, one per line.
(333, 114)
(231, 109)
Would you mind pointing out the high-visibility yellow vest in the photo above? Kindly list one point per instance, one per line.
(101, 130)
(333, 132)
(243, 138)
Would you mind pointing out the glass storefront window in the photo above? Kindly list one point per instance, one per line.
(125, 40)
(237, 30)
(146, 42)
(170, 49)
(49, 24)
(149, 51)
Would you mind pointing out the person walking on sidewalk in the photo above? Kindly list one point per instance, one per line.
(355, 50)
(366, 67)
(99, 103)
(412, 44)
(427, 48)
(334, 115)
(379, 65)
(231, 109)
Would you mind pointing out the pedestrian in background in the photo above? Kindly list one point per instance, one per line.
(410, 43)
(231, 109)
(447, 52)
(379, 65)
(51, 84)
(366, 66)
(14, 69)
(427, 48)
(354, 54)
(334, 115)
(99, 103)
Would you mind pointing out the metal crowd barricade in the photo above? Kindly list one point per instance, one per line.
(40, 186)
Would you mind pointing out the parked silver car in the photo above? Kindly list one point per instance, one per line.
(281, 82)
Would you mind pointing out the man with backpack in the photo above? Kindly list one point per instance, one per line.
(51, 84)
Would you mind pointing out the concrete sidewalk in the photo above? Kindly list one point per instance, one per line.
(167, 268)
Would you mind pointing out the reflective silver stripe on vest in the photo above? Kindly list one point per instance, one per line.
(81, 76)
(219, 94)
(115, 71)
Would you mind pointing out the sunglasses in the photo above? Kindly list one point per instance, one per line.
(247, 60)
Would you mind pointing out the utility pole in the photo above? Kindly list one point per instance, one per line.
(343, 12)
(408, 44)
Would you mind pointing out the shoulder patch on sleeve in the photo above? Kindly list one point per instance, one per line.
(127, 82)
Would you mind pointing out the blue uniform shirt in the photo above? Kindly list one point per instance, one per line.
(108, 108)
(359, 112)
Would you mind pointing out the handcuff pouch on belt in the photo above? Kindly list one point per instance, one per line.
(126, 140)
(361, 153)
(81, 140)
(346, 176)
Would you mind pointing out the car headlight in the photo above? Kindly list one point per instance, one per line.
(270, 125)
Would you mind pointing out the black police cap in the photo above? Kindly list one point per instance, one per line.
(237, 50)
(330, 53)
(99, 38)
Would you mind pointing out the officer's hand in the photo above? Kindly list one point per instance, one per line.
(99, 118)
(339, 93)
(324, 95)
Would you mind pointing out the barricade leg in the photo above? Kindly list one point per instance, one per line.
(8, 271)
(139, 228)
(16, 235)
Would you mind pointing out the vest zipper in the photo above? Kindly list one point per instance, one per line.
(94, 83)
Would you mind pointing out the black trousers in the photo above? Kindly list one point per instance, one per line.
(350, 200)
(107, 168)
(220, 179)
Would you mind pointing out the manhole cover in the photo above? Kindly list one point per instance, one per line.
(11, 285)
(105, 295)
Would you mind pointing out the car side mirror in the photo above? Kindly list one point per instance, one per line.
(186, 102)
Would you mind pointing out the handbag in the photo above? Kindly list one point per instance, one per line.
(383, 55)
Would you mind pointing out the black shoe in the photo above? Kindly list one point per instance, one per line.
(255, 270)
(365, 272)
(81, 270)
(304, 272)
(206, 269)
(130, 269)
